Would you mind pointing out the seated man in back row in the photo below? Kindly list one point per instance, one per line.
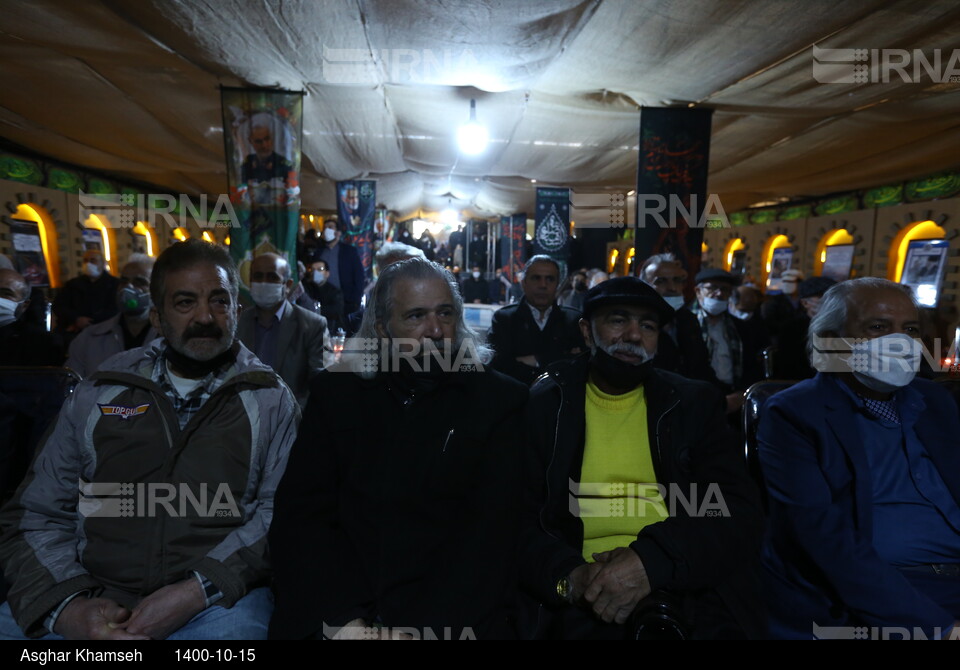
(146, 509)
(639, 494)
(528, 336)
(862, 465)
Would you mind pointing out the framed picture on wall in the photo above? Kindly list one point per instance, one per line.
(837, 262)
(738, 264)
(92, 239)
(28, 258)
(923, 269)
(780, 263)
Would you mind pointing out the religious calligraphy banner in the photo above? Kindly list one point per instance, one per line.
(356, 207)
(262, 133)
(672, 185)
(551, 234)
(513, 236)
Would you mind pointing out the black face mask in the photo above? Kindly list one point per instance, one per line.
(620, 374)
(198, 369)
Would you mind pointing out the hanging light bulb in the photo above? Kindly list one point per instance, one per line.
(449, 215)
(472, 137)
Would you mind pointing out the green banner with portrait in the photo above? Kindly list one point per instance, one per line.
(262, 135)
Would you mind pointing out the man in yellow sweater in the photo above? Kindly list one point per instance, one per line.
(641, 517)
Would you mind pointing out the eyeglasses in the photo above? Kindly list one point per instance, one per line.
(723, 290)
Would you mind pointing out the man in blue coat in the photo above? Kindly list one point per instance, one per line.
(862, 465)
(344, 264)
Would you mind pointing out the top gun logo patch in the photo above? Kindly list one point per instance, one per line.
(123, 412)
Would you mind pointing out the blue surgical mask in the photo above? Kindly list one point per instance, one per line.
(8, 311)
(675, 301)
(714, 306)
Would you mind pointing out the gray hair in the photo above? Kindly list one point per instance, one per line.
(657, 259)
(380, 304)
(262, 120)
(835, 305)
(391, 252)
(141, 259)
(543, 258)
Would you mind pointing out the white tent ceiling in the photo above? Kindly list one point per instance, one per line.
(130, 87)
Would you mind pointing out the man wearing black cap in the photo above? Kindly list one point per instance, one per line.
(735, 345)
(639, 500)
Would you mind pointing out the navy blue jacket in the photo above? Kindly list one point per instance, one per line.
(818, 555)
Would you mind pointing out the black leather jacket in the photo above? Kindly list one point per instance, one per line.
(709, 546)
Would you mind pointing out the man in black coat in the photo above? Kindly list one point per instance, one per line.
(396, 516)
(680, 347)
(735, 346)
(528, 336)
(639, 499)
(89, 298)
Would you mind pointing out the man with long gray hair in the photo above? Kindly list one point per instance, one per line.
(397, 515)
(862, 467)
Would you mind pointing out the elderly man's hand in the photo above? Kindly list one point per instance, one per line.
(530, 360)
(619, 585)
(167, 609)
(94, 619)
(580, 579)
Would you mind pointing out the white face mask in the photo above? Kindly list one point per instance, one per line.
(329, 234)
(92, 270)
(8, 311)
(714, 306)
(886, 363)
(476, 275)
(319, 277)
(266, 295)
(675, 301)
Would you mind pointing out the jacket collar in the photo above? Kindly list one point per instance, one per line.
(136, 366)
(572, 375)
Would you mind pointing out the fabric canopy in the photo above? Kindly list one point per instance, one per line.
(130, 88)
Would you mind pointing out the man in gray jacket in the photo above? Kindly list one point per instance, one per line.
(286, 337)
(146, 511)
(127, 330)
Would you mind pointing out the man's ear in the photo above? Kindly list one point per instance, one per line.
(586, 332)
(155, 318)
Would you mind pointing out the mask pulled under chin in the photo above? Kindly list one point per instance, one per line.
(620, 374)
(195, 369)
(8, 311)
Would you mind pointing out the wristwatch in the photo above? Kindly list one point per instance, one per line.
(564, 590)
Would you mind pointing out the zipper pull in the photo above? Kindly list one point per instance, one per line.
(447, 441)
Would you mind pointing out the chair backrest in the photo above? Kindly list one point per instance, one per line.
(753, 400)
(30, 398)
